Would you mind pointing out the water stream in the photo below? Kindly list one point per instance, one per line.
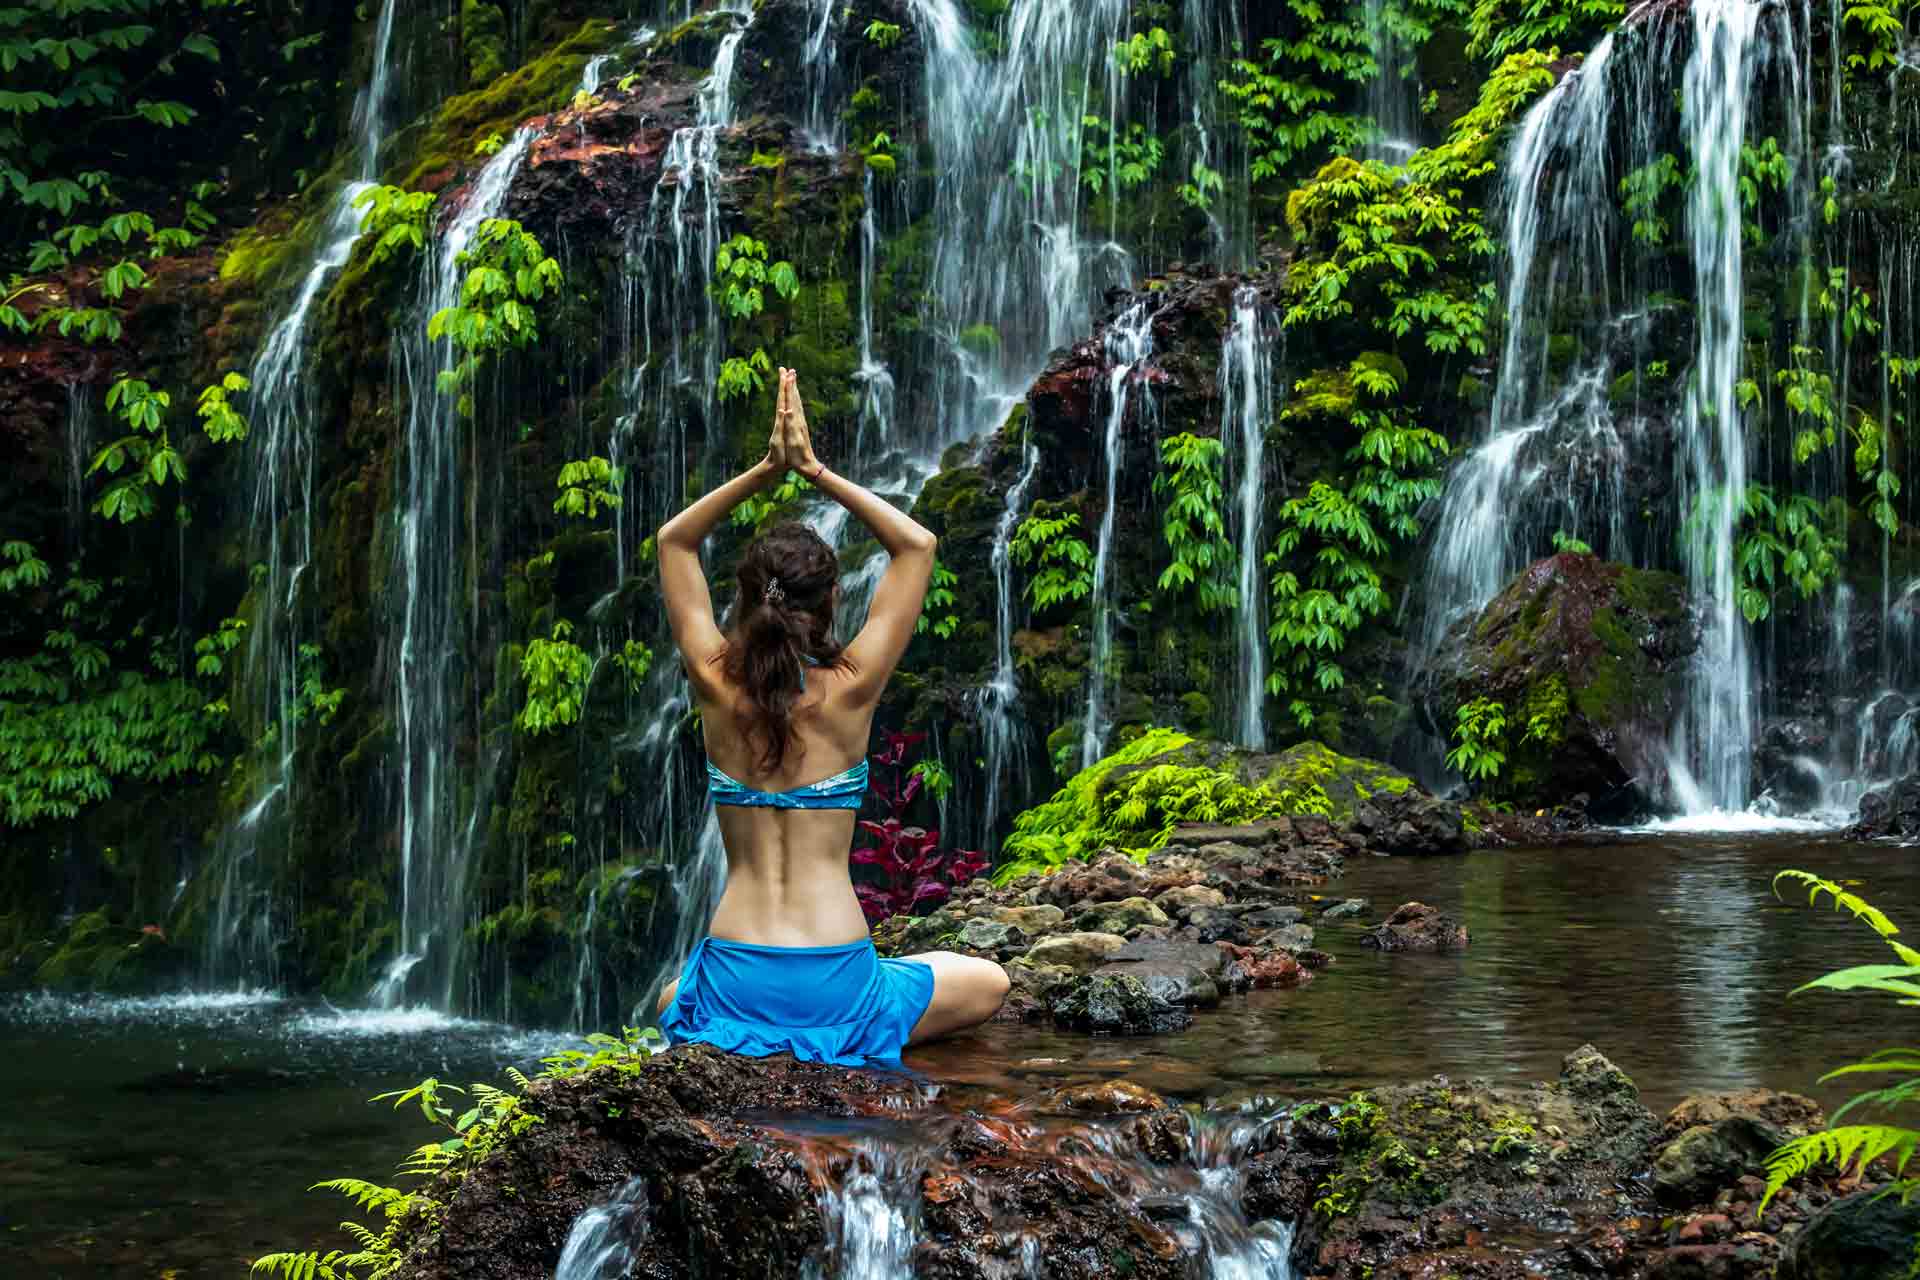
(1129, 343)
(1247, 408)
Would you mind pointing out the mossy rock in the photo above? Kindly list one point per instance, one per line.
(1588, 658)
(1322, 779)
(545, 84)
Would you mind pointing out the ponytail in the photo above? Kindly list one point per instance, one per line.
(783, 625)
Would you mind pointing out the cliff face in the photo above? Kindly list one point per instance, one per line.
(1179, 396)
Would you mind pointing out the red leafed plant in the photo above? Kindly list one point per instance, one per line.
(908, 872)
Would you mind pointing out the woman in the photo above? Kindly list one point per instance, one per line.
(787, 965)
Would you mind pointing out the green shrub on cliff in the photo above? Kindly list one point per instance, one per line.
(1860, 1145)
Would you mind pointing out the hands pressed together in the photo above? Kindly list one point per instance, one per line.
(790, 447)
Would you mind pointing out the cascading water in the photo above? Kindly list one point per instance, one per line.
(825, 131)
(283, 407)
(601, 1243)
(1129, 343)
(434, 617)
(1247, 382)
(1390, 95)
(1560, 439)
(1003, 742)
(1714, 743)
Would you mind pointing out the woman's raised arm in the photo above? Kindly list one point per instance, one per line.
(683, 580)
(910, 545)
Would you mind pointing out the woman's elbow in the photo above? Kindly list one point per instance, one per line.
(923, 542)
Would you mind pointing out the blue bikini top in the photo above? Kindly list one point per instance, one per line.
(841, 791)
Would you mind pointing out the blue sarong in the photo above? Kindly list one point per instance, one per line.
(842, 1004)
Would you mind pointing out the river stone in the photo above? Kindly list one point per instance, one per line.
(1117, 1004)
(1181, 973)
(1865, 1236)
(1107, 879)
(1179, 901)
(1348, 909)
(1106, 1098)
(1118, 917)
(989, 935)
(1712, 1140)
(1294, 937)
(1076, 951)
(1273, 917)
(1031, 921)
(1415, 926)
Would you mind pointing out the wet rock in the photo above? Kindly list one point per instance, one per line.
(1178, 973)
(1294, 937)
(1266, 966)
(1032, 921)
(1177, 902)
(991, 936)
(1865, 1236)
(1417, 927)
(1712, 1140)
(1112, 878)
(1346, 909)
(1106, 1098)
(1272, 917)
(1410, 822)
(1589, 659)
(1890, 811)
(1214, 924)
(1076, 951)
(1121, 917)
(1117, 1004)
(1416, 1180)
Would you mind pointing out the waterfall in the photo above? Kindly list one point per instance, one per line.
(1557, 194)
(284, 413)
(872, 1217)
(824, 129)
(1003, 741)
(1246, 411)
(1389, 98)
(1129, 342)
(876, 429)
(1558, 445)
(433, 624)
(1715, 740)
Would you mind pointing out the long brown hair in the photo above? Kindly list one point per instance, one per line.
(783, 623)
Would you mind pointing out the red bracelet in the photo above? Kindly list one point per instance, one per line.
(817, 473)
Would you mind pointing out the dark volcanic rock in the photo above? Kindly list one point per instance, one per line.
(1183, 973)
(1889, 811)
(1588, 657)
(1866, 1236)
(1422, 1180)
(1417, 927)
(1116, 1004)
(1711, 1141)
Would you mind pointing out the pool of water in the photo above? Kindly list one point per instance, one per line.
(1669, 953)
(177, 1137)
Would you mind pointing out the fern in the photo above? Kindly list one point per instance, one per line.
(1203, 558)
(1852, 1146)
(1855, 1147)
(1046, 540)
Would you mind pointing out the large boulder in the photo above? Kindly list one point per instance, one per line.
(1588, 658)
(1892, 810)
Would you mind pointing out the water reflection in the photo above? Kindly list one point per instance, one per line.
(1671, 955)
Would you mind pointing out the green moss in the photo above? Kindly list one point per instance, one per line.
(1323, 393)
(545, 84)
(1196, 709)
(1345, 780)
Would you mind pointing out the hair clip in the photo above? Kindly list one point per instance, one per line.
(774, 593)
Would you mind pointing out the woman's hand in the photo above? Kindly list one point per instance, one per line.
(777, 456)
(793, 418)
